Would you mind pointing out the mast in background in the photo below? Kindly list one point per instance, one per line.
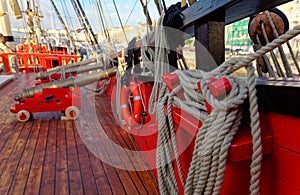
(30, 24)
(146, 12)
(91, 37)
(64, 26)
(39, 32)
(5, 28)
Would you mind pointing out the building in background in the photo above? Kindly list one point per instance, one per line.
(237, 36)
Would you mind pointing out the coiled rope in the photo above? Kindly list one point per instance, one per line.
(206, 172)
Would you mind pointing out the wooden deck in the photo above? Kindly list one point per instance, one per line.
(49, 156)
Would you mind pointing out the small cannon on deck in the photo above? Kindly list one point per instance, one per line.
(61, 96)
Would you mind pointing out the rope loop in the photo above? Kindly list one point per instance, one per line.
(235, 97)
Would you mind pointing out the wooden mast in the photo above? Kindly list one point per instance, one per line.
(146, 12)
(37, 22)
(5, 28)
(29, 13)
(158, 6)
(86, 24)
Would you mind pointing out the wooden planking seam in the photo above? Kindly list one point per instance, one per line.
(74, 175)
(131, 144)
(122, 141)
(35, 174)
(22, 173)
(104, 108)
(49, 165)
(89, 186)
(8, 173)
(61, 160)
(111, 172)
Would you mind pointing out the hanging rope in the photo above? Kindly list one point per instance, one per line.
(160, 60)
(106, 8)
(147, 54)
(206, 172)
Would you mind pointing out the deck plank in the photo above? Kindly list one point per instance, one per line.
(75, 181)
(49, 166)
(50, 156)
(121, 136)
(35, 174)
(128, 141)
(8, 174)
(88, 177)
(115, 181)
(61, 180)
(21, 175)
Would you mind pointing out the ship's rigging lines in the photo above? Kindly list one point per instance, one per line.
(120, 21)
(131, 12)
(34, 13)
(64, 25)
(85, 23)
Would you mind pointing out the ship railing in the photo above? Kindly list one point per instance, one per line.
(35, 62)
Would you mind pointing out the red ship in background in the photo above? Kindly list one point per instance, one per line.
(37, 53)
(277, 103)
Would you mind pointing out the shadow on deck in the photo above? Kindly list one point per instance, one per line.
(47, 155)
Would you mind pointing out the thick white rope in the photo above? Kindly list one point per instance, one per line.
(204, 165)
(161, 62)
(145, 51)
(255, 132)
(215, 135)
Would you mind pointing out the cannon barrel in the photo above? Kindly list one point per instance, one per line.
(78, 81)
(71, 68)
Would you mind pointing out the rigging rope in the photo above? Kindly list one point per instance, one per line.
(64, 6)
(131, 12)
(106, 8)
(160, 61)
(206, 172)
(120, 21)
(100, 17)
(286, 64)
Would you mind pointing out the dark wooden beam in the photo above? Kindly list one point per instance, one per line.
(211, 35)
(246, 8)
(234, 9)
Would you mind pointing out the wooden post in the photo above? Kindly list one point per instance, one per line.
(157, 3)
(211, 35)
(146, 12)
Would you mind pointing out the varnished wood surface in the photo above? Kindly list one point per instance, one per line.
(49, 156)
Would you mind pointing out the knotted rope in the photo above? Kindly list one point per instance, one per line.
(206, 172)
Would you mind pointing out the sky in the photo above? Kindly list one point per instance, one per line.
(65, 8)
